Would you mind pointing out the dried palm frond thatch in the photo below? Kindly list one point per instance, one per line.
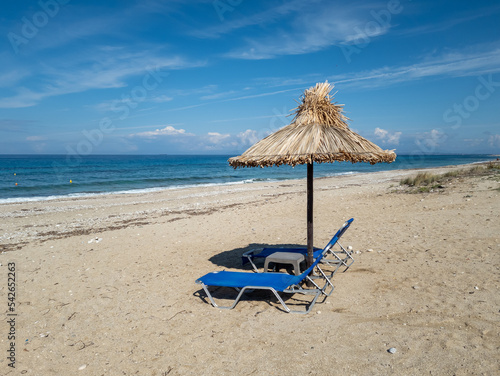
(318, 133)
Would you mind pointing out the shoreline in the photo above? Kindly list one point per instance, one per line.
(93, 214)
(140, 191)
(108, 283)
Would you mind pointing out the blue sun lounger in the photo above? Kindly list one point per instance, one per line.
(339, 258)
(274, 282)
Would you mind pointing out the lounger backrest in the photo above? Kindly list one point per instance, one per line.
(338, 235)
(296, 279)
(332, 242)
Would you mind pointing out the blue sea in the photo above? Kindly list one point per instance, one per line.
(44, 177)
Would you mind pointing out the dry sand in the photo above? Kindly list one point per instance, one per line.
(127, 304)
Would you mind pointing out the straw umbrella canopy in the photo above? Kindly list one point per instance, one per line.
(318, 133)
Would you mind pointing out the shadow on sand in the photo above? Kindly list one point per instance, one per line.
(232, 258)
(260, 299)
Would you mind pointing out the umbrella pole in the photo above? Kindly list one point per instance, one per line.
(309, 214)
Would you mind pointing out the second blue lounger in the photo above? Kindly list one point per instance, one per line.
(340, 258)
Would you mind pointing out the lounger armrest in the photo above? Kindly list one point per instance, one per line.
(248, 257)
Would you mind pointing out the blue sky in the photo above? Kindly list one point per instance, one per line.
(213, 77)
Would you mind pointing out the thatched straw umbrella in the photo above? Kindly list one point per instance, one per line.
(318, 133)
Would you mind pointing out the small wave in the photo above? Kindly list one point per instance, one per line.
(15, 200)
(344, 173)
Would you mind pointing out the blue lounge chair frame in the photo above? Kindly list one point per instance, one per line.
(340, 258)
(274, 282)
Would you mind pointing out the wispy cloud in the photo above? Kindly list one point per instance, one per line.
(451, 22)
(238, 98)
(203, 90)
(453, 64)
(13, 77)
(475, 61)
(36, 138)
(218, 95)
(16, 125)
(263, 94)
(114, 105)
(267, 16)
(24, 98)
(248, 118)
(102, 70)
(161, 99)
(79, 22)
(312, 29)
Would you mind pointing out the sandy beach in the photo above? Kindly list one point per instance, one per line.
(105, 285)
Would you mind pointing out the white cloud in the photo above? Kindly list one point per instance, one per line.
(167, 131)
(394, 138)
(216, 138)
(386, 136)
(249, 137)
(434, 137)
(494, 140)
(380, 133)
(429, 141)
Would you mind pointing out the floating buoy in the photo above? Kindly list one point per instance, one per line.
(14, 174)
(71, 181)
(16, 183)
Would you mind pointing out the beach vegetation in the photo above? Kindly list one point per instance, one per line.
(452, 174)
(426, 182)
(422, 178)
(493, 166)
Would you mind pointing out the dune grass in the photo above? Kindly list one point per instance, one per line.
(422, 178)
(429, 182)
